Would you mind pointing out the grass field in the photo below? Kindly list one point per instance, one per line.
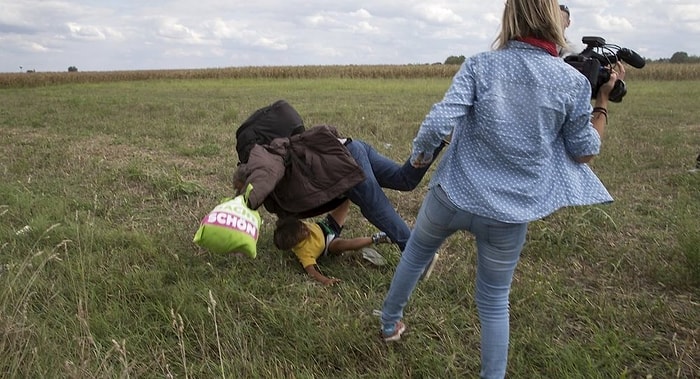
(104, 183)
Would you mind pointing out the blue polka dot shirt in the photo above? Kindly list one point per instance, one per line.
(516, 116)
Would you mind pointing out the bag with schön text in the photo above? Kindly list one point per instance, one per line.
(231, 227)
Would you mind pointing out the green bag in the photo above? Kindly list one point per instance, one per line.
(231, 227)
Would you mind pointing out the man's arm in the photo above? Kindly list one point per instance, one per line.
(265, 171)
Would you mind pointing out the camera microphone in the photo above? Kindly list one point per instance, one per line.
(629, 56)
(595, 62)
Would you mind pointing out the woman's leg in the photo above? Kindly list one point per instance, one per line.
(498, 251)
(437, 220)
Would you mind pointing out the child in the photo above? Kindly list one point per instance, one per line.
(311, 240)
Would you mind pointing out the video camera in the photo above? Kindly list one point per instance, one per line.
(596, 60)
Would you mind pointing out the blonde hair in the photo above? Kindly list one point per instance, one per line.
(531, 18)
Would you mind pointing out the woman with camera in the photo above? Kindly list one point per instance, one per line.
(522, 130)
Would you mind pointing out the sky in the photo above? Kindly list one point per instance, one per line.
(115, 35)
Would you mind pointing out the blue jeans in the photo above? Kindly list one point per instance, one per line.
(498, 251)
(382, 172)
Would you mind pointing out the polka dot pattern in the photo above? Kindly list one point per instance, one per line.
(517, 117)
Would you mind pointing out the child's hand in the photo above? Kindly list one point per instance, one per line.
(316, 274)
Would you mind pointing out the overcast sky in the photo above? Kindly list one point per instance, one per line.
(106, 35)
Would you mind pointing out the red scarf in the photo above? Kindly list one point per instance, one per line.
(549, 47)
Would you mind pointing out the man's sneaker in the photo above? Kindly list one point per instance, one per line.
(429, 270)
(380, 237)
(373, 256)
(395, 333)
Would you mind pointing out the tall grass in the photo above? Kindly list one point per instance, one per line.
(104, 185)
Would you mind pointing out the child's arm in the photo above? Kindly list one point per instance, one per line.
(313, 271)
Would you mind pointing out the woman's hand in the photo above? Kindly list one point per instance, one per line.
(616, 72)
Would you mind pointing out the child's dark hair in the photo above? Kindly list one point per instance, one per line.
(289, 231)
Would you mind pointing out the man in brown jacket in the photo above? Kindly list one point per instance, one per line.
(311, 173)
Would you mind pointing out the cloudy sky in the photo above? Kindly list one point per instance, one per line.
(106, 35)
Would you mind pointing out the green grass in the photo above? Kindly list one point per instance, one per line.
(111, 180)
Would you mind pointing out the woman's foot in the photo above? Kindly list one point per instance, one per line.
(393, 334)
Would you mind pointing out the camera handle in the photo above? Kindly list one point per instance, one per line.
(618, 92)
